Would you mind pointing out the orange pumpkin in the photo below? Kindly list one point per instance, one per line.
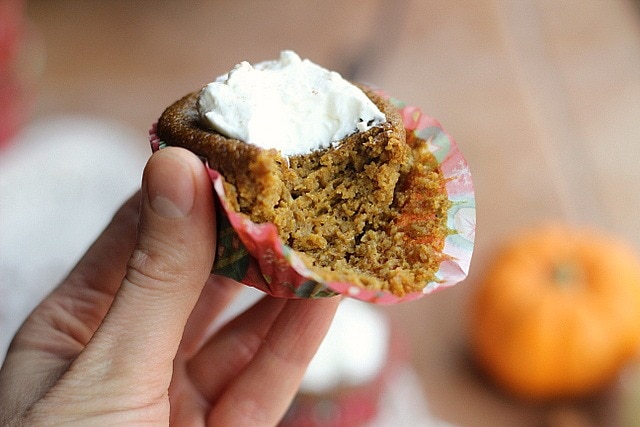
(557, 313)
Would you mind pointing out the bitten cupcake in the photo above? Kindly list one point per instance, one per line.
(324, 188)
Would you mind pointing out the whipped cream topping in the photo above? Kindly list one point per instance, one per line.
(289, 104)
(353, 352)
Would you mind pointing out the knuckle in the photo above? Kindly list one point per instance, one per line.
(151, 268)
(251, 411)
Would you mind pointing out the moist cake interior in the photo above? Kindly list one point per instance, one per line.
(370, 211)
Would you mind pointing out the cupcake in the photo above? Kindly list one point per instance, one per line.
(323, 188)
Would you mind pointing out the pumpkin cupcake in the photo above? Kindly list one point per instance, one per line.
(327, 187)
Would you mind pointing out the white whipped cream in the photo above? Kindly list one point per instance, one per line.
(289, 104)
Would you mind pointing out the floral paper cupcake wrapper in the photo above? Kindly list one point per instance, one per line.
(254, 255)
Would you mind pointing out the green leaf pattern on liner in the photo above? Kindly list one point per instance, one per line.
(232, 258)
(313, 289)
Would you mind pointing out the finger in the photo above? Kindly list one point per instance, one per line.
(217, 294)
(260, 395)
(188, 405)
(228, 352)
(63, 323)
(165, 274)
(88, 291)
(103, 266)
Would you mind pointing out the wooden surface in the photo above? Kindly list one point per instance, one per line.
(543, 98)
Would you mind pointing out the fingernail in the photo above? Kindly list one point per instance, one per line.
(170, 185)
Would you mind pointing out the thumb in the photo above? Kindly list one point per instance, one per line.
(169, 266)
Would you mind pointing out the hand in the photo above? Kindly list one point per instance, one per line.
(125, 339)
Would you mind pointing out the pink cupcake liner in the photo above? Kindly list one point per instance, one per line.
(254, 255)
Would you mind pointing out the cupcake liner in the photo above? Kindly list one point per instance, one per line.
(254, 255)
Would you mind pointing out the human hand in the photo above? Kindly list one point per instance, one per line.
(126, 338)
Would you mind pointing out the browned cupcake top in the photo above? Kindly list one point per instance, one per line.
(180, 125)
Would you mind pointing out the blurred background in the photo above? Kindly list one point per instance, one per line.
(543, 98)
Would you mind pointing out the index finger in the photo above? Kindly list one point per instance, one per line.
(90, 287)
(260, 395)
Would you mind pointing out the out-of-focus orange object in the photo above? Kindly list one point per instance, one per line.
(557, 313)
